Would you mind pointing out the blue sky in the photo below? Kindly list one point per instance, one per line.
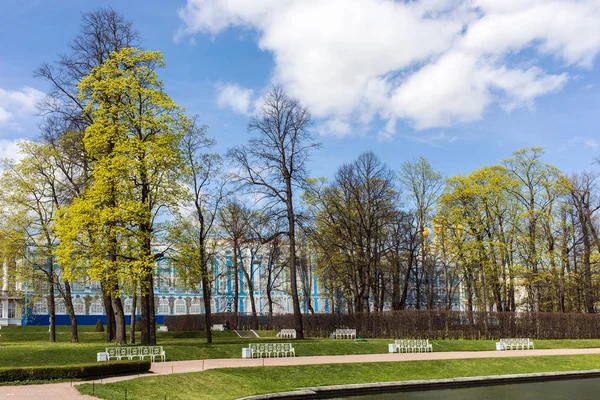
(462, 83)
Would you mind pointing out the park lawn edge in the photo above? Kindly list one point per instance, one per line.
(232, 383)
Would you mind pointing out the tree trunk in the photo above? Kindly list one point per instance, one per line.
(69, 304)
(236, 283)
(121, 327)
(132, 322)
(51, 307)
(147, 305)
(293, 272)
(207, 307)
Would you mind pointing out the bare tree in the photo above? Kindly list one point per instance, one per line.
(424, 186)
(273, 165)
(192, 230)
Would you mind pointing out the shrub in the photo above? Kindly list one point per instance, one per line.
(99, 326)
(426, 324)
(73, 371)
(138, 324)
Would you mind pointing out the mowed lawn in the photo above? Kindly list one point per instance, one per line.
(233, 383)
(29, 346)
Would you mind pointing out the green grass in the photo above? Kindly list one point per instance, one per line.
(238, 382)
(29, 346)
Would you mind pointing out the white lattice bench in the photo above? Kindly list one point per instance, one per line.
(515, 343)
(267, 350)
(217, 327)
(413, 345)
(345, 334)
(131, 352)
(287, 334)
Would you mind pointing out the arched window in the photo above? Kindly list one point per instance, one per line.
(196, 306)
(163, 306)
(41, 307)
(127, 306)
(79, 306)
(60, 306)
(179, 306)
(97, 308)
(164, 280)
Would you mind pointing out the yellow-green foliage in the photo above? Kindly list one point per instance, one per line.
(134, 142)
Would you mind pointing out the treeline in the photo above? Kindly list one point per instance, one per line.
(120, 177)
(518, 236)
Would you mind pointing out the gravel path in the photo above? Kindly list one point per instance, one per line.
(64, 391)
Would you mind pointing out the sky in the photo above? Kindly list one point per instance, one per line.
(463, 83)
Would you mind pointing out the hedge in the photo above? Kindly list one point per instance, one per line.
(426, 324)
(73, 371)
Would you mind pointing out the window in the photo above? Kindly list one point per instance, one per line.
(60, 306)
(12, 309)
(196, 307)
(41, 307)
(97, 308)
(163, 306)
(78, 306)
(179, 306)
(164, 280)
(1, 309)
(128, 304)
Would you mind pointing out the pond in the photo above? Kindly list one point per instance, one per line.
(580, 389)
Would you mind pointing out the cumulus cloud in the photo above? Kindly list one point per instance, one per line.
(230, 95)
(10, 149)
(15, 104)
(433, 63)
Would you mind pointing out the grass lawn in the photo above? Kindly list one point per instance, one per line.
(233, 383)
(29, 346)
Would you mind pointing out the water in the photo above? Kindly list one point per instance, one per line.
(579, 389)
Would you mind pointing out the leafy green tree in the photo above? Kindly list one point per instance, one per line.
(135, 140)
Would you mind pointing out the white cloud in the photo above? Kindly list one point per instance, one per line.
(10, 149)
(434, 140)
(16, 104)
(234, 96)
(431, 62)
(585, 141)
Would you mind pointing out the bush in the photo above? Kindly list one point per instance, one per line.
(426, 324)
(99, 326)
(138, 324)
(73, 371)
(195, 322)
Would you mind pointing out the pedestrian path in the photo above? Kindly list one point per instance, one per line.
(64, 391)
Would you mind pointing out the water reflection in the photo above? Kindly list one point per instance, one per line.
(580, 389)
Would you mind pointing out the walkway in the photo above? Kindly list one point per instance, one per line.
(64, 391)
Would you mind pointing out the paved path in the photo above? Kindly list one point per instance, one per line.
(64, 391)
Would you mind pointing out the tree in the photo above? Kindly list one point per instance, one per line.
(36, 193)
(424, 186)
(273, 165)
(192, 231)
(135, 140)
(353, 217)
(535, 194)
(233, 221)
(102, 32)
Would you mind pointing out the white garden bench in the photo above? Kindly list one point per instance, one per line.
(131, 352)
(267, 350)
(344, 334)
(413, 345)
(217, 327)
(287, 334)
(515, 343)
